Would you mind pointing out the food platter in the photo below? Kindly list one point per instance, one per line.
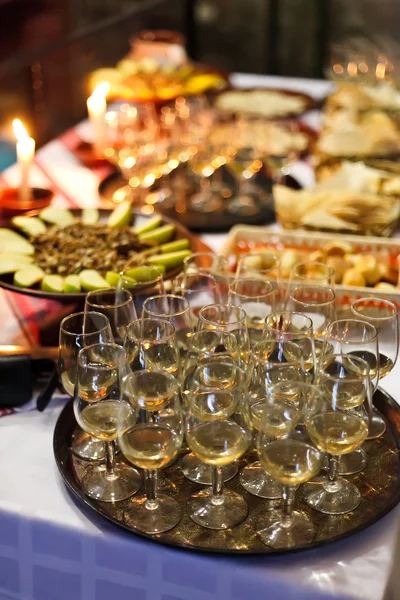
(195, 244)
(304, 102)
(379, 485)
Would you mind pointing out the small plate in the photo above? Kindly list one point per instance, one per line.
(309, 102)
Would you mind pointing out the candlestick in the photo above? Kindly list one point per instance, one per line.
(97, 106)
(25, 154)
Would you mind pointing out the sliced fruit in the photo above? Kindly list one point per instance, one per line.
(148, 225)
(23, 259)
(31, 226)
(90, 215)
(121, 215)
(28, 276)
(10, 265)
(62, 217)
(143, 274)
(171, 260)
(72, 284)
(112, 277)
(92, 280)
(126, 283)
(161, 268)
(10, 241)
(52, 283)
(175, 246)
(158, 236)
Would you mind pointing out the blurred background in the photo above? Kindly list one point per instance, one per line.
(49, 47)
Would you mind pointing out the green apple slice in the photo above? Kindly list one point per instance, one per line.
(62, 217)
(28, 276)
(121, 215)
(158, 236)
(143, 274)
(92, 280)
(22, 259)
(161, 268)
(52, 283)
(112, 277)
(12, 242)
(171, 260)
(90, 215)
(31, 226)
(175, 246)
(72, 284)
(11, 265)
(148, 225)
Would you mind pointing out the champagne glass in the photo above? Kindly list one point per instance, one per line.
(98, 406)
(117, 305)
(150, 438)
(218, 432)
(174, 309)
(78, 331)
(270, 363)
(257, 298)
(293, 327)
(199, 290)
(151, 344)
(210, 264)
(318, 303)
(344, 379)
(211, 363)
(226, 317)
(290, 459)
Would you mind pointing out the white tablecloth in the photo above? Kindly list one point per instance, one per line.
(51, 549)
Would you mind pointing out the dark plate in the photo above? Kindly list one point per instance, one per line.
(217, 220)
(196, 245)
(379, 485)
(309, 102)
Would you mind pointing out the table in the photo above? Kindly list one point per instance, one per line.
(51, 549)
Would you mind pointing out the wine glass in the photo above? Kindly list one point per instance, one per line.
(257, 298)
(218, 432)
(293, 327)
(98, 407)
(344, 379)
(117, 305)
(174, 309)
(309, 272)
(150, 438)
(199, 290)
(270, 364)
(151, 344)
(264, 264)
(210, 363)
(151, 283)
(318, 303)
(226, 317)
(78, 331)
(210, 264)
(290, 458)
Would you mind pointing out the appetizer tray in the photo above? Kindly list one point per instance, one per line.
(245, 239)
(379, 485)
(192, 244)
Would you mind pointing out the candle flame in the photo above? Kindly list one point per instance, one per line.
(19, 130)
(101, 90)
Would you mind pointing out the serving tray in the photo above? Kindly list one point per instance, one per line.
(379, 485)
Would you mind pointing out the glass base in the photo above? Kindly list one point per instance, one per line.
(87, 447)
(110, 488)
(352, 463)
(299, 531)
(199, 472)
(165, 514)
(231, 511)
(343, 497)
(255, 480)
(377, 426)
(205, 203)
(243, 205)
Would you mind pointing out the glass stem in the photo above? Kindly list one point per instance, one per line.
(288, 496)
(332, 484)
(109, 448)
(205, 187)
(151, 489)
(217, 486)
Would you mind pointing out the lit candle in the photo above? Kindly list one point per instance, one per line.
(25, 154)
(97, 106)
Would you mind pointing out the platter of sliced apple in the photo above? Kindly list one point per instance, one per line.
(62, 254)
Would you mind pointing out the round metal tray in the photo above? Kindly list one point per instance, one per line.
(379, 485)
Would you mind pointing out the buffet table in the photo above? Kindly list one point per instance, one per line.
(53, 549)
